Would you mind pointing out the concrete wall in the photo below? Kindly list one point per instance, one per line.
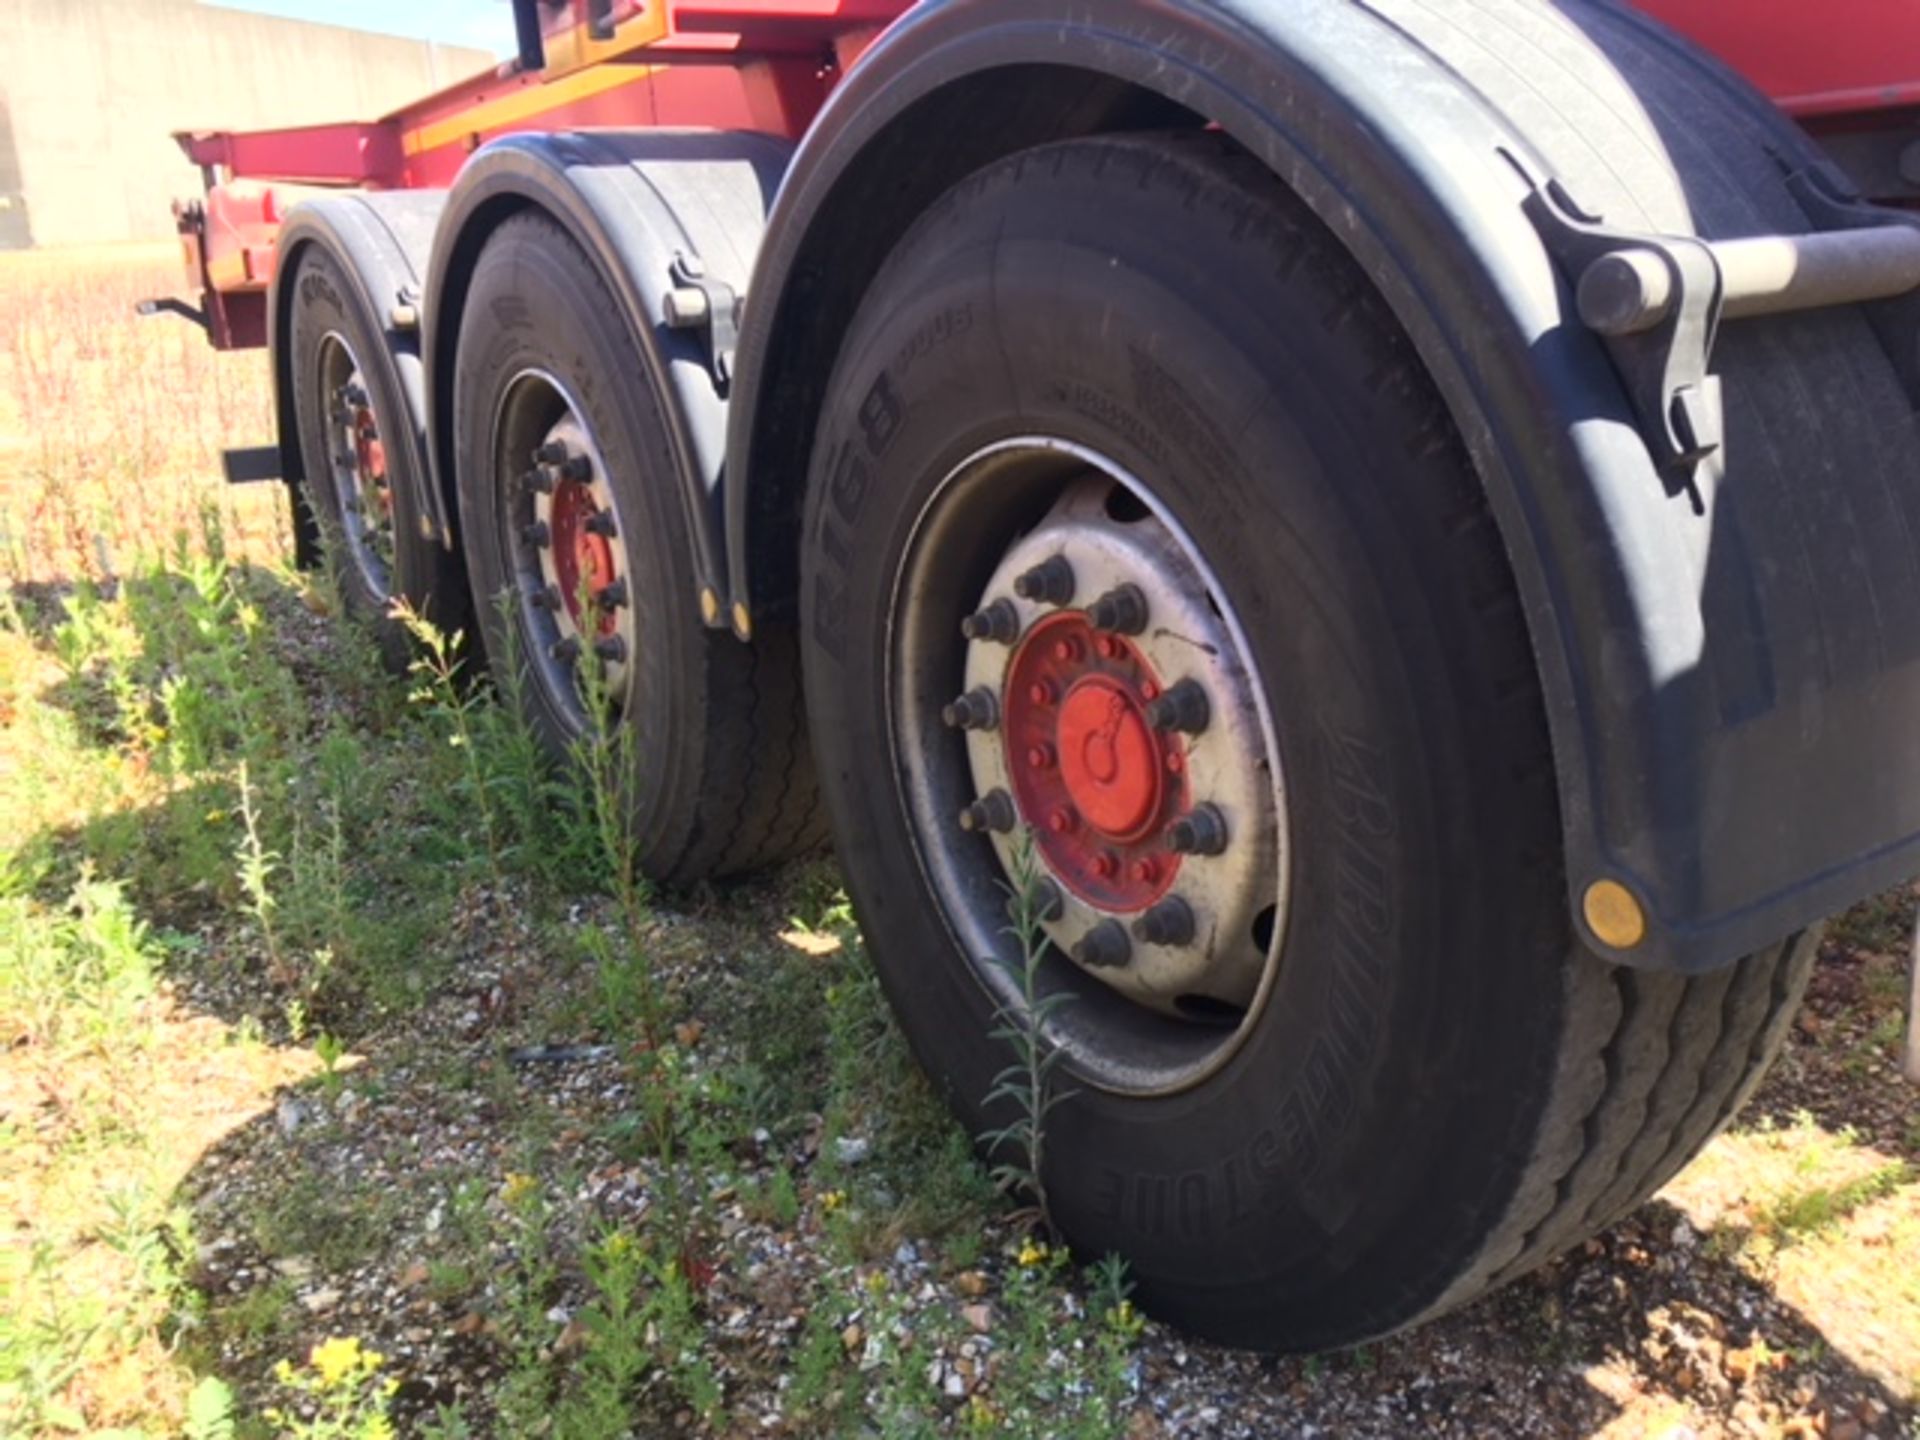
(90, 89)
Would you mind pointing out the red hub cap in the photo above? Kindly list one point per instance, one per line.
(580, 556)
(1099, 784)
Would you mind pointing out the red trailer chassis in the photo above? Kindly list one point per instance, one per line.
(1849, 71)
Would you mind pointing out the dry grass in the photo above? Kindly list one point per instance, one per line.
(111, 427)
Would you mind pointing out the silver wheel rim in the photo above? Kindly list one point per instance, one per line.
(1172, 1013)
(357, 464)
(567, 543)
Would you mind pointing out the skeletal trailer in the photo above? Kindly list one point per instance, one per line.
(1401, 519)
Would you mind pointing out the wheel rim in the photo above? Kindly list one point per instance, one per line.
(569, 545)
(357, 464)
(1065, 664)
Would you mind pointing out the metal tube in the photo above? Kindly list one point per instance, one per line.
(1631, 291)
(1911, 1065)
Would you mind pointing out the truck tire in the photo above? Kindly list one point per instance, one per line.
(1370, 1071)
(564, 487)
(361, 451)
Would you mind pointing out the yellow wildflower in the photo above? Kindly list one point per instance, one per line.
(516, 1189)
(833, 1200)
(341, 1358)
(1032, 1253)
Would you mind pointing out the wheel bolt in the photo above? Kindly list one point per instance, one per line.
(1122, 611)
(1105, 947)
(1040, 757)
(601, 524)
(1184, 708)
(554, 452)
(547, 597)
(999, 622)
(537, 482)
(354, 396)
(1049, 583)
(537, 534)
(1063, 821)
(992, 811)
(1105, 865)
(613, 597)
(578, 469)
(566, 649)
(1168, 923)
(1067, 652)
(975, 710)
(611, 649)
(1201, 831)
(1145, 871)
(1046, 900)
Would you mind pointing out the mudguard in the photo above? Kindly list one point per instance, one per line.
(1731, 665)
(382, 241)
(658, 212)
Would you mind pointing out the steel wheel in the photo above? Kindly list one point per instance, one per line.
(565, 535)
(356, 464)
(1108, 707)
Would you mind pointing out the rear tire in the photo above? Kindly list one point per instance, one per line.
(1436, 1087)
(724, 781)
(364, 471)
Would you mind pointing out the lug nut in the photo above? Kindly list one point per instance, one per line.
(1048, 902)
(1105, 947)
(537, 534)
(992, 811)
(1122, 611)
(566, 649)
(1168, 923)
(1048, 583)
(1201, 831)
(355, 396)
(612, 597)
(601, 524)
(1184, 708)
(547, 597)
(554, 452)
(611, 649)
(975, 710)
(578, 469)
(537, 482)
(999, 622)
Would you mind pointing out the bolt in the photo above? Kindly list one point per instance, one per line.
(1176, 762)
(1063, 821)
(566, 649)
(612, 597)
(601, 524)
(992, 811)
(1168, 923)
(1106, 865)
(999, 622)
(975, 710)
(1043, 692)
(1045, 903)
(1104, 947)
(537, 482)
(1122, 610)
(1067, 652)
(537, 534)
(354, 395)
(1048, 583)
(554, 452)
(1145, 871)
(687, 308)
(577, 470)
(547, 597)
(611, 649)
(1040, 757)
(1201, 831)
(1183, 708)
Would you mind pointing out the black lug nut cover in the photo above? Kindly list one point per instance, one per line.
(1050, 582)
(1105, 946)
(1168, 923)
(1201, 831)
(999, 622)
(1121, 611)
(1184, 708)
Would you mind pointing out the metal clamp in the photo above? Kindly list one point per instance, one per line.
(1663, 357)
(697, 302)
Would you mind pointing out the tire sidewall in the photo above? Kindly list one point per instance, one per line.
(1308, 1156)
